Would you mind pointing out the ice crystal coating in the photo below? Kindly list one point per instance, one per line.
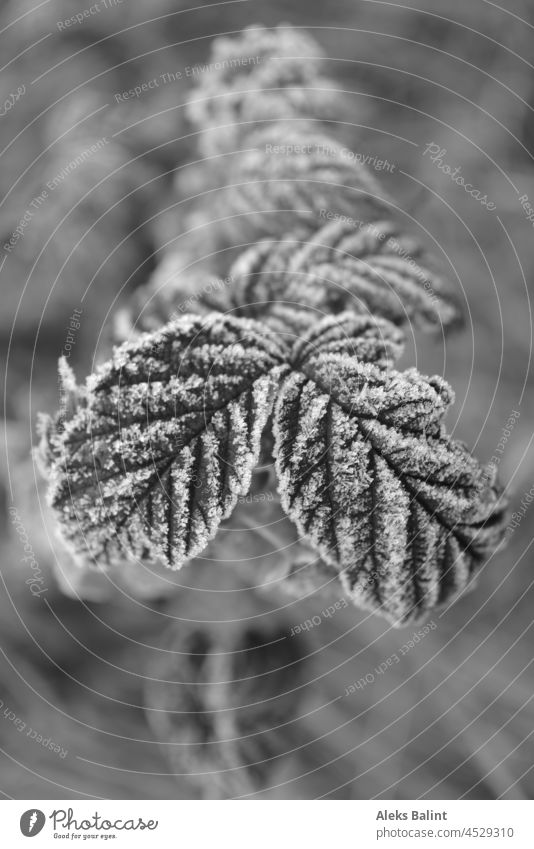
(349, 337)
(373, 268)
(370, 476)
(283, 176)
(278, 169)
(161, 442)
(164, 441)
(151, 455)
(262, 75)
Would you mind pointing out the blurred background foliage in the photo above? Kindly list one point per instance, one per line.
(454, 717)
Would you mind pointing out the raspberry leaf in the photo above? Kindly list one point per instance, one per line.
(163, 440)
(370, 477)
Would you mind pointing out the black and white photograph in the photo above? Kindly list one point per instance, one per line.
(267, 467)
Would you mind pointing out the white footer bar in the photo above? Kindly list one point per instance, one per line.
(268, 824)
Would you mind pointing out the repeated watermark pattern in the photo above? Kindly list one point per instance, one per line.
(316, 620)
(255, 498)
(392, 660)
(39, 200)
(81, 17)
(392, 243)
(208, 289)
(366, 159)
(189, 71)
(76, 162)
(70, 340)
(225, 64)
(31, 733)
(518, 515)
(437, 155)
(36, 581)
(527, 208)
(11, 99)
(73, 327)
(495, 460)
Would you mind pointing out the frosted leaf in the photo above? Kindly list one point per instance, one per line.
(165, 441)
(368, 339)
(372, 269)
(262, 75)
(370, 477)
(371, 340)
(270, 186)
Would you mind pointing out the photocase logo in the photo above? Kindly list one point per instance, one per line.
(32, 822)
